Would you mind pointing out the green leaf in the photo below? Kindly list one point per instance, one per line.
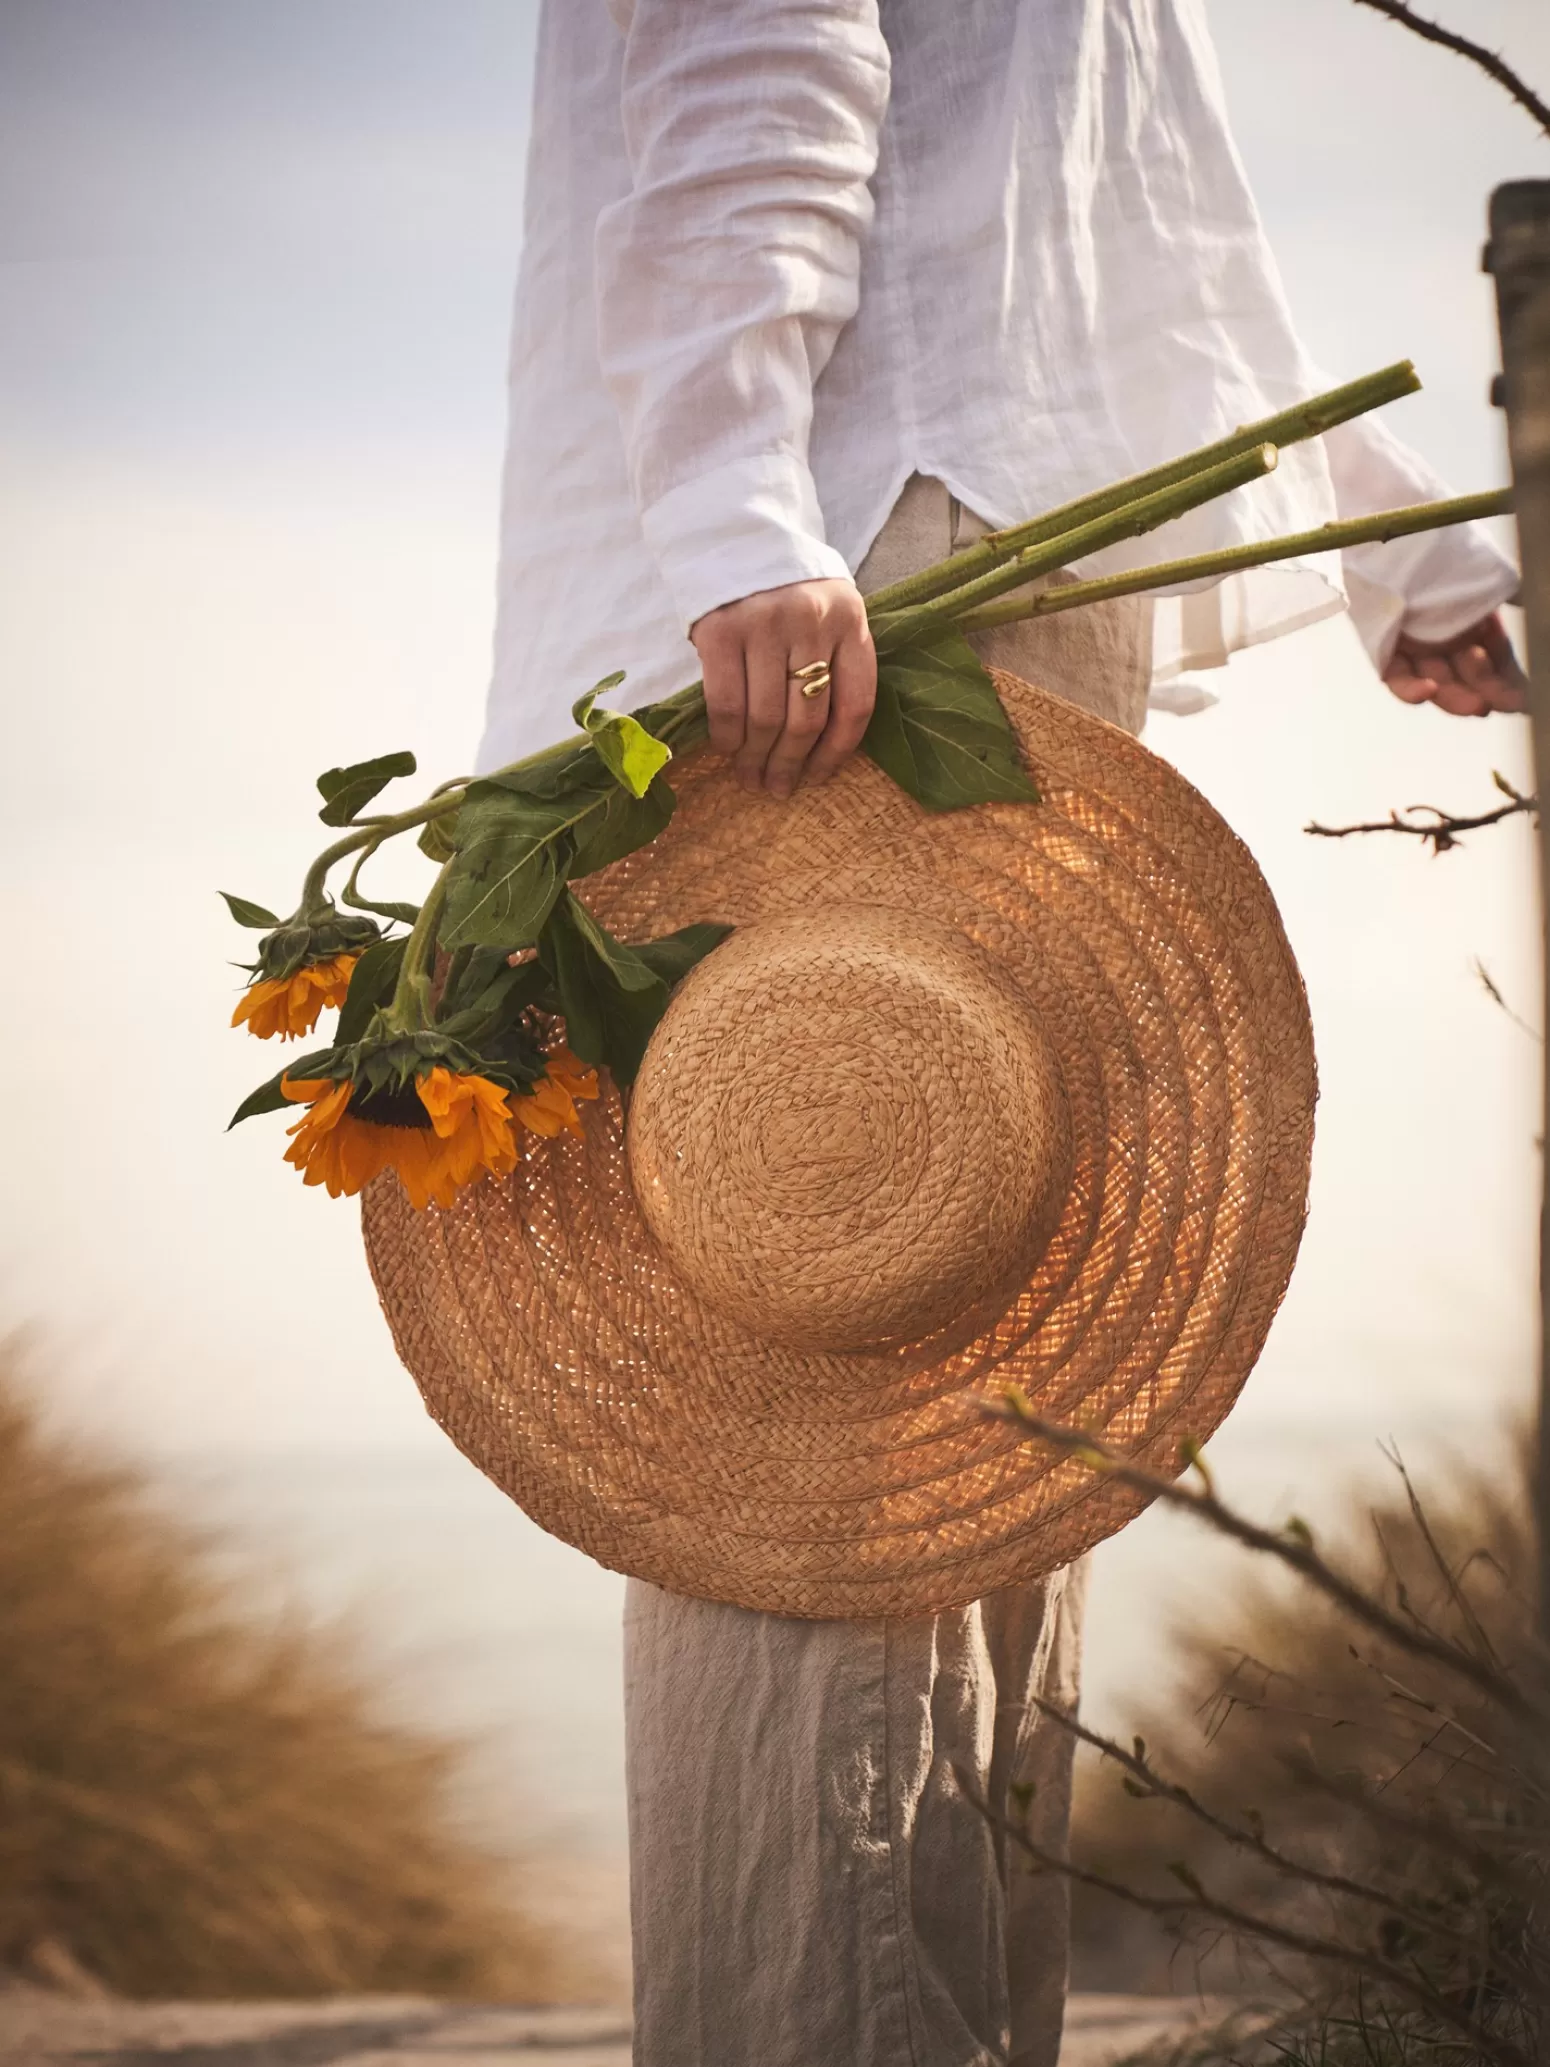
(579, 803)
(470, 971)
(1193, 1457)
(438, 838)
(627, 750)
(371, 985)
(675, 954)
(618, 824)
(557, 773)
(269, 1097)
(346, 791)
(490, 994)
(246, 913)
(406, 913)
(513, 857)
(939, 729)
(610, 996)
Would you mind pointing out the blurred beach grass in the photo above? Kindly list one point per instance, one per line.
(200, 1798)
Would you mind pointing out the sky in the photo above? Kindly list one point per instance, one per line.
(255, 273)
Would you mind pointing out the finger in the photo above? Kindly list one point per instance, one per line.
(726, 687)
(1509, 691)
(1473, 664)
(1459, 700)
(1437, 669)
(806, 717)
(764, 659)
(1505, 695)
(851, 703)
(1403, 682)
(1492, 635)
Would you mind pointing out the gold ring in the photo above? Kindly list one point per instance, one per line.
(812, 679)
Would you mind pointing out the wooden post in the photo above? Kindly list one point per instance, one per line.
(1518, 258)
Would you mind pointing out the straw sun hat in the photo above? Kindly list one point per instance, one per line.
(1016, 1093)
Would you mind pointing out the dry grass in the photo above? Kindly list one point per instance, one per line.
(1343, 1752)
(197, 1803)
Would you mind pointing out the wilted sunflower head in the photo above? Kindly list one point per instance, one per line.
(290, 1006)
(321, 934)
(385, 1068)
(420, 1104)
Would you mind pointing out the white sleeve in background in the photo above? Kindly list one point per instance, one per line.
(1432, 585)
(726, 276)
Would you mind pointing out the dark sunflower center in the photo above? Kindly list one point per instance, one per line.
(390, 1105)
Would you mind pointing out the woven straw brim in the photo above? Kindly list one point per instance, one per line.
(562, 1355)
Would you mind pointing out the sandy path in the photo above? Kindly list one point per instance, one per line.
(41, 2029)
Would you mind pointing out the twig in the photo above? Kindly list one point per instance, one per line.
(1198, 1901)
(1145, 1778)
(1441, 829)
(1434, 1835)
(1495, 66)
(1489, 985)
(1463, 1605)
(1296, 1552)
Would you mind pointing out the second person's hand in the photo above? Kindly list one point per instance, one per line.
(1470, 675)
(750, 652)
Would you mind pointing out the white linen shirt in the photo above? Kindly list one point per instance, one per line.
(782, 254)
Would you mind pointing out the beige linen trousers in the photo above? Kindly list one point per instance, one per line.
(808, 1885)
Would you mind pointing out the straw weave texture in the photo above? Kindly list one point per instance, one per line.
(1080, 1017)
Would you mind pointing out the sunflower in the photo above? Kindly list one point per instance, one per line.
(447, 1129)
(551, 1104)
(472, 1124)
(291, 1005)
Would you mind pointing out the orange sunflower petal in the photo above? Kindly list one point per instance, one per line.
(291, 1006)
(261, 1008)
(572, 1074)
(547, 1110)
(471, 1134)
(307, 1090)
(472, 1128)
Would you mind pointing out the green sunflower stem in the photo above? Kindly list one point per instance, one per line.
(893, 629)
(1289, 427)
(351, 894)
(314, 889)
(972, 591)
(411, 1005)
(1375, 530)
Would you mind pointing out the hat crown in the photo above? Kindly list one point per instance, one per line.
(850, 1130)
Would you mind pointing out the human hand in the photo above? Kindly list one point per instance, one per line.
(1471, 675)
(774, 735)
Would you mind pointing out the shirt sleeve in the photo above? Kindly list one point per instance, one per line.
(726, 275)
(1432, 585)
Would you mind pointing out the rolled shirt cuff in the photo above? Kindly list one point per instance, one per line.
(1431, 586)
(749, 525)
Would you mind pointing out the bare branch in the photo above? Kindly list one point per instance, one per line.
(1197, 1901)
(1446, 1840)
(1464, 1607)
(1248, 1838)
(1440, 829)
(1493, 992)
(1294, 1550)
(1494, 66)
